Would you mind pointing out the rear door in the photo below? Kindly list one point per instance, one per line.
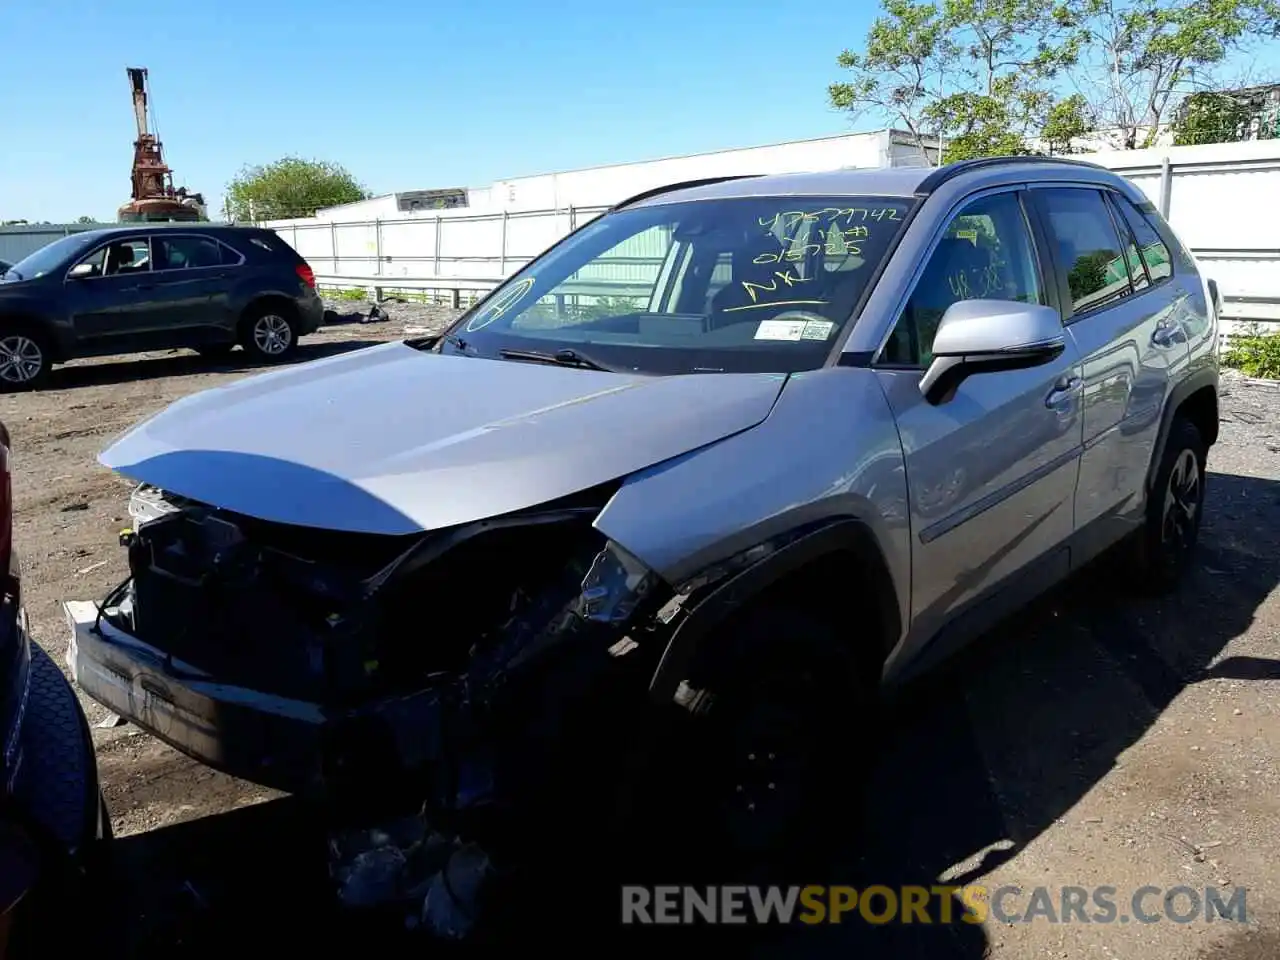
(192, 275)
(1122, 311)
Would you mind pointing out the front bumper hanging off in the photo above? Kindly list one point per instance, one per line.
(284, 744)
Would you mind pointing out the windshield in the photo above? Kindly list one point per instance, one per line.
(50, 256)
(757, 284)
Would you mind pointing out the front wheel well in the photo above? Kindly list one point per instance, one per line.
(841, 589)
(1201, 408)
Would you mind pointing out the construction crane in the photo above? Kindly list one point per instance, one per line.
(154, 196)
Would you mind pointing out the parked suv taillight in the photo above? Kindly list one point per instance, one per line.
(307, 274)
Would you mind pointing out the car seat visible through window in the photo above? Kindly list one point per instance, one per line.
(956, 271)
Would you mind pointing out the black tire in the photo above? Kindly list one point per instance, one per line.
(269, 332)
(761, 765)
(1165, 546)
(58, 781)
(26, 358)
(58, 798)
(215, 351)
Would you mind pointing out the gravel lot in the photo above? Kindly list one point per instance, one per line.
(1100, 740)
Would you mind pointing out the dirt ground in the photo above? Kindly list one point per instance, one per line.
(1099, 740)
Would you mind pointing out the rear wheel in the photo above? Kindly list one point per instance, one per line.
(1166, 544)
(269, 333)
(25, 359)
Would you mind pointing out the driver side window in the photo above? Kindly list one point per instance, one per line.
(123, 256)
(986, 253)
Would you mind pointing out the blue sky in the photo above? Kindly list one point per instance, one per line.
(405, 95)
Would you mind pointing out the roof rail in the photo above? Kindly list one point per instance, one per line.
(941, 175)
(683, 185)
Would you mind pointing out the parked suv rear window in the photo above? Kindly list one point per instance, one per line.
(1089, 247)
(190, 253)
(754, 283)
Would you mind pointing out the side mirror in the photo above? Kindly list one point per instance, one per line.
(81, 270)
(985, 336)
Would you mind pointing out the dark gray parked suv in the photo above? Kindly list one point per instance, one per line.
(132, 289)
(663, 515)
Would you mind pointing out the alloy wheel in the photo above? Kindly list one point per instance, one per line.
(272, 334)
(21, 359)
(1181, 505)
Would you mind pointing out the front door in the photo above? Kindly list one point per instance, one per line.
(991, 472)
(112, 299)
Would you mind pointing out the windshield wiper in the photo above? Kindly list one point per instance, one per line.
(563, 358)
(456, 341)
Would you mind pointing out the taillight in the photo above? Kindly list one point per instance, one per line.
(307, 274)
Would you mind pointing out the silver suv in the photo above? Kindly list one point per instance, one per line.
(691, 487)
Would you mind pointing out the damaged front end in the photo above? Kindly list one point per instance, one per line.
(457, 666)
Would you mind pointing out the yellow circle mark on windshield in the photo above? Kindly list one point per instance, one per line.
(501, 305)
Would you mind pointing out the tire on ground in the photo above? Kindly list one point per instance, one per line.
(269, 331)
(22, 338)
(747, 782)
(1164, 547)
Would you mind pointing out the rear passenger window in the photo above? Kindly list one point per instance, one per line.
(985, 253)
(1137, 271)
(186, 253)
(1089, 247)
(1154, 252)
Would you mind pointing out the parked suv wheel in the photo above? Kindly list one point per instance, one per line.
(1167, 541)
(24, 359)
(269, 333)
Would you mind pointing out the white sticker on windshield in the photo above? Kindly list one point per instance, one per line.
(780, 330)
(817, 330)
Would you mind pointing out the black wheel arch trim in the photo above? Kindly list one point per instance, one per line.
(1177, 397)
(844, 536)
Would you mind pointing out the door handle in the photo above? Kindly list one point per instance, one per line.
(145, 286)
(1165, 335)
(1066, 388)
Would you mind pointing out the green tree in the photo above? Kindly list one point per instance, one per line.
(85, 220)
(1145, 56)
(1067, 121)
(1206, 117)
(1013, 52)
(899, 74)
(979, 73)
(290, 187)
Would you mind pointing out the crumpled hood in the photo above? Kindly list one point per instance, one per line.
(393, 440)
